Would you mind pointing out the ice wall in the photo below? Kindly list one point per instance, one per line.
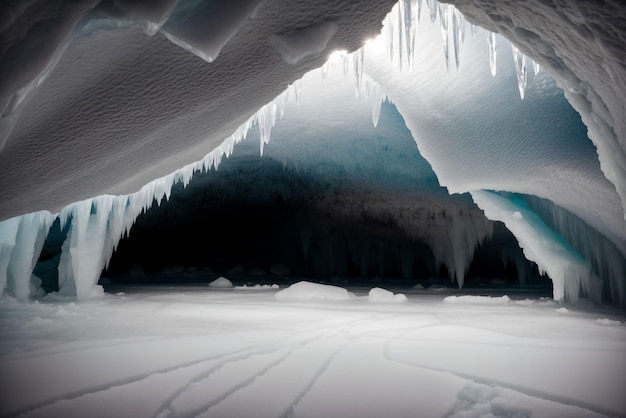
(581, 44)
(21, 240)
(570, 273)
(464, 123)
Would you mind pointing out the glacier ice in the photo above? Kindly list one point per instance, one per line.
(21, 241)
(98, 223)
(569, 271)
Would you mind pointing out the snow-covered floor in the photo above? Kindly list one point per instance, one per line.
(200, 351)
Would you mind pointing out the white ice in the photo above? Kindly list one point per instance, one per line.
(201, 352)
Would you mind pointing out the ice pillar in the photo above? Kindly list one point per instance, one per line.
(21, 241)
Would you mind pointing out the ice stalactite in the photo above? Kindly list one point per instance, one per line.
(521, 70)
(491, 37)
(21, 240)
(458, 241)
(400, 31)
(96, 226)
(571, 274)
(445, 32)
(452, 233)
(357, 65)
(536, 68)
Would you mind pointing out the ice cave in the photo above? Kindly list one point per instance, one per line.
(272, 208)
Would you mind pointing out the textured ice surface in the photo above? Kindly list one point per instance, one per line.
(297, 44)
(126, 108)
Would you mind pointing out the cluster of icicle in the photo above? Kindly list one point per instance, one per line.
(401, 25)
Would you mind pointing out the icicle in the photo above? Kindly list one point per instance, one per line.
(324, 71)
(520, 69)
(357, 62)
(456, 35)
(377, 98)
(419, 13)
(536, 68)
(8, 238)
(409, 29)
(297, 88)
(432, 7)
(266, 118)
(491, 37)
(345, 63)
(400, 31)
(445, 30)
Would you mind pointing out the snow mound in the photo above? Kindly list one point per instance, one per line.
(609, 322)
(221, 282)
(314, 291)
(378, 294)
(478, 299)
(561, 310)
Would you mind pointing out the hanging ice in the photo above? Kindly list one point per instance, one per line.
(567, 269)
(491, 36)
(357, 62)
(21, 240)
(521, 70)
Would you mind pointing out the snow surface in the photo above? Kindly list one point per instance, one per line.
(497, 300)
(193, 351)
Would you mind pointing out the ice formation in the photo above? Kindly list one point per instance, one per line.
(386, 67)
(569, 271)
(379, 295)
(308, 291)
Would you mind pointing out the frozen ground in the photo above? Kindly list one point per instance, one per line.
(200, 351)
